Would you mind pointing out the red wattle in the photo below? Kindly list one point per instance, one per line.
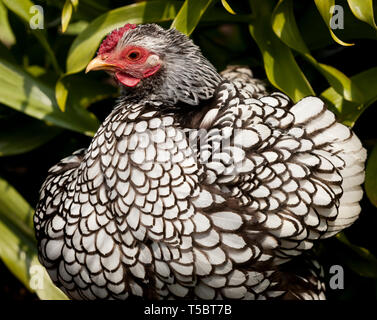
(127, 79)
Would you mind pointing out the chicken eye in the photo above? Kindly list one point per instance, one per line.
(133, 55)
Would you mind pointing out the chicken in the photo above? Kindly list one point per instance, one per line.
(197, 185)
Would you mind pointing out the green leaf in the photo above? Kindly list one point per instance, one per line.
(285, 27)
(363, 10)
(348, 112)
(189, 15)
(340, 82)
(75, 3)
(95, 4)
(35, 70)
(16, 209)
(367, 82)
(227, 7)
(66, 14)
(326, 9)
(17, 244)
(76, 28)
(6, 34)
(61, 93)
(22, 9)
(86, 44)
(22, 92)
(281, 68)
(363, 262)
(17, 136)
(371, 177)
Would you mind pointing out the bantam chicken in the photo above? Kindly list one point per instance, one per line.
(198, 185)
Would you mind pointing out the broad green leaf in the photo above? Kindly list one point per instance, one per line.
(86, 44)
(348, 112)
(326, 9)
(371, 177)
(281, 68)
(76, 28)
(285, 27)
(22, 8)
(189, 15)
(99, 6)
(363, 10)
(367, 82)
(22, 92)
(227, 7)
(363, 263)
(16, 209)
(17, 244)
(66, 14)
(17, 136)
(6, 34)
(339, 81)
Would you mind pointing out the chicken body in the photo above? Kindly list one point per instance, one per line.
(204, 200)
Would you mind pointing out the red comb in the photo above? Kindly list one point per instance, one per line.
(112, 39)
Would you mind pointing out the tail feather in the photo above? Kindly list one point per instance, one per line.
(342, 148)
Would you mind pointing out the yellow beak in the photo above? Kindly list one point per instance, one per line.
(98, 64)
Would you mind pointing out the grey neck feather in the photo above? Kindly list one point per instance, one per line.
(185, 76)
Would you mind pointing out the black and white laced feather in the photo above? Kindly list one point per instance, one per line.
(213, 199)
